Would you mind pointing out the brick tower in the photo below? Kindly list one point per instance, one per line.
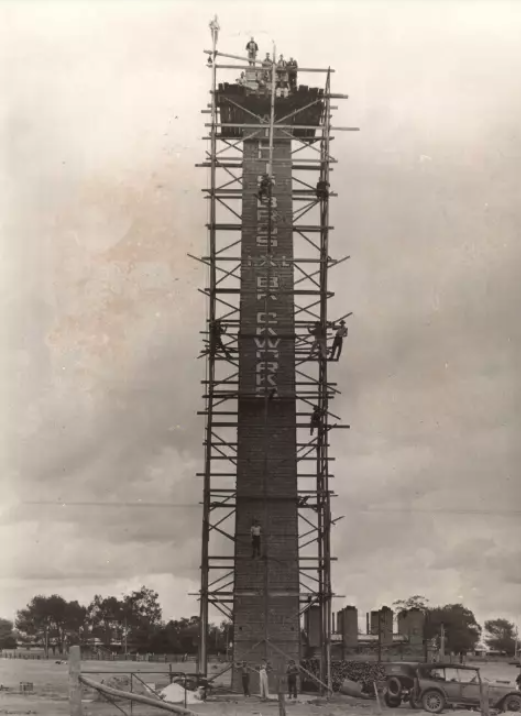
(266, 372)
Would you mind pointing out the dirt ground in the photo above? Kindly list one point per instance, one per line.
(50, 681)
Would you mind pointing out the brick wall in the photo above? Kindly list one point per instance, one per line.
(266, 590)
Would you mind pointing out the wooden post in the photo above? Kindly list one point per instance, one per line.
(282, 700)
(378, 703)
(74, 681)
(483, 692)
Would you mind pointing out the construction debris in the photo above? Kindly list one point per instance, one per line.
(175, 694)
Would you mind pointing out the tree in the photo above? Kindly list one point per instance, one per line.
(133, 620)
(414, 602)
(462, 632)
(105, 619)
(51, 620)
(142, 617)
(7, 637)
(75, 622)
(501, 635)
(219, 636)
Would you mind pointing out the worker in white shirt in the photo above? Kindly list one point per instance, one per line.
(256, 532)
(338, 340)
(263, 681)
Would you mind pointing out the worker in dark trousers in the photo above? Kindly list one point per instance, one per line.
(319, 334)
(267, 65)
(338, 341)
(217, 330)
(322, 189)
(252, 49)
(292, 74)
(315, 419)
(245, 678)
(264, 188)
(255, 539)
(282, 74)
(291, 675)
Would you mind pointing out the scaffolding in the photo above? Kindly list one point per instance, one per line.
(310, 130)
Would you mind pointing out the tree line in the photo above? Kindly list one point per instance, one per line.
(459, 628)
(133, 623)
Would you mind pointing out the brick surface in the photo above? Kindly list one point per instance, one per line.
(266, 600)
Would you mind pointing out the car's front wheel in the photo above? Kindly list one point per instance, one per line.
(433, 701)
(512, 703)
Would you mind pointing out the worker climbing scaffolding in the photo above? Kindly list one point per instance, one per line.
(217, 331)
(266, 184)
(319, 345)
(256, 533)
(316, 416)
(338, 342)
(322, 190)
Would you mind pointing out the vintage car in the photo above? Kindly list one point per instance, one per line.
(400, 678)
(435, 687)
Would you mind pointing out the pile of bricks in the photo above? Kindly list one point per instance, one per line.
(362, 672)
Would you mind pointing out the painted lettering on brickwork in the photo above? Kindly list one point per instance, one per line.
(267, 284)
(267, 260)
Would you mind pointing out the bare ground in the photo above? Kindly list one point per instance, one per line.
(50, 698)
(50, 682)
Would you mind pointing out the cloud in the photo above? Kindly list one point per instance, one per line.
(100, 132)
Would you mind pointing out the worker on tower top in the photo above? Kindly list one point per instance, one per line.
(267, 64)
(292, 74)
(282, 72)
(252, 49)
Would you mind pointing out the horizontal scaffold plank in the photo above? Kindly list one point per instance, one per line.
(305, 228)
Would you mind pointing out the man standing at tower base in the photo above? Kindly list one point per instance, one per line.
(263, 681)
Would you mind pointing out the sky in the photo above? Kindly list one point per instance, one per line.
(100, 311)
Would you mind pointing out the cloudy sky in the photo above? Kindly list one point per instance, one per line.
(100, 202)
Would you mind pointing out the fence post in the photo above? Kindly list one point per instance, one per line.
(485, 706)
(377, 695)
(280, 696)
(74, 681)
